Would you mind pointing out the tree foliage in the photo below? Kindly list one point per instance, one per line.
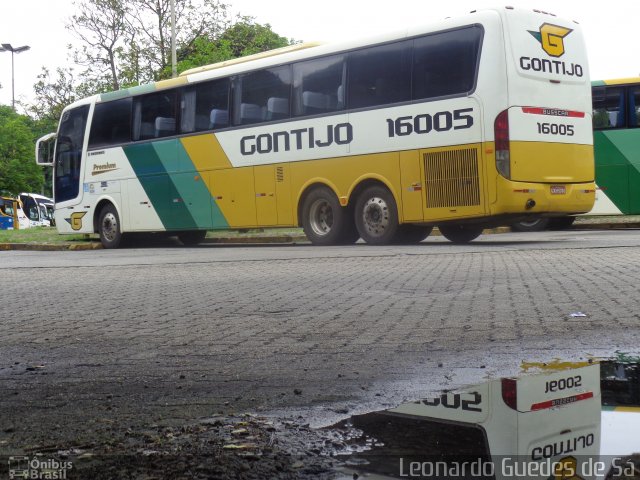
(128, 42)
(101, 25)
(244, 37)
(18, 169)
(53, 94)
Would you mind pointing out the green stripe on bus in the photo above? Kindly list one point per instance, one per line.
(189, 184)
(159, 187)
(140, 89)
(116, 95)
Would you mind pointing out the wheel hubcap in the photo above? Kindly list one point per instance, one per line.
(376, 216)
(109, 227)
(321, 217)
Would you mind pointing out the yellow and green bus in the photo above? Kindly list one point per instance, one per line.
(616, 143)
(471, 122)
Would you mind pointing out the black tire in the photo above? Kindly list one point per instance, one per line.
(324, 221)
(109, 227)
(460, 233)
(350, 235)
(561, 223)
(376, 216)
(409, 234)
(192, 237)
(535, 225)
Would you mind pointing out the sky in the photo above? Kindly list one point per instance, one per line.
(610, 28)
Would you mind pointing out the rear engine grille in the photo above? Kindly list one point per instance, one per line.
(451, 178)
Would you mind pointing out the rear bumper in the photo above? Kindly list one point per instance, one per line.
(542, 198)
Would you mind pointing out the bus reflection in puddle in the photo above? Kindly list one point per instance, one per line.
(559, 424)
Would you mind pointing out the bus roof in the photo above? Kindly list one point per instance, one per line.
(616, 81)
(249, 58)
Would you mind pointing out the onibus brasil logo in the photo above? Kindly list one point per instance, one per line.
(551, 37)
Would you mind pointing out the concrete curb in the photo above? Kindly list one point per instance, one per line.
(279, 239)
(606, 226)
(50, 247)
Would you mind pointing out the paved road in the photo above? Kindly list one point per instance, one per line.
(133, 337)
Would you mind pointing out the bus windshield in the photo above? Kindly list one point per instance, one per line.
(69, 153)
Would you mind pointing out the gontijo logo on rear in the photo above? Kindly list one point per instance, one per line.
(551, 38)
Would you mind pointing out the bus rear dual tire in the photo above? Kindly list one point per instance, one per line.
(325, 221)
(374, 218)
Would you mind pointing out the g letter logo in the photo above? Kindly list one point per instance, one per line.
(76, 220)
(551, 37)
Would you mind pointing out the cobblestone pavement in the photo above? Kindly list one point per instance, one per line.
(137, 337)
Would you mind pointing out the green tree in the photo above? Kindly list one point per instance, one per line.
(245, 37)
(102, 27)
(128, 42)
(52, 95)
(18, 170)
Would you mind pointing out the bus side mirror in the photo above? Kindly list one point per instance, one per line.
(45, 147)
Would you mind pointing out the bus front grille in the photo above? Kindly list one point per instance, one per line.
(451, 178)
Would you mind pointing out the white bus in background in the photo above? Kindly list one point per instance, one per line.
(38, 208)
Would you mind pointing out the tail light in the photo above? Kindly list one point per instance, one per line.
(501, 131)
(510, 393)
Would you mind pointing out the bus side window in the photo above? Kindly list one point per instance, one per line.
(446, 63)
(111, 123)
(316, 86)
(154, 115)
(262, 95)
(608, 107)
(198, 104)
(634, 106)
(380, 75)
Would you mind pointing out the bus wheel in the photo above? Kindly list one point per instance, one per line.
(536, 225)
(561, 223)
(409, 234)
(109, 227)
(460, 233)
(323, 219)
(377, 216)
(192, 237)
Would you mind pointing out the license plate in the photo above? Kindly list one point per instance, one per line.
(558, 190)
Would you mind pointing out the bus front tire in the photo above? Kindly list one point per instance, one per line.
(324, 221)
(109, 227)
(377, 216)
(192, 238)
(460, 233)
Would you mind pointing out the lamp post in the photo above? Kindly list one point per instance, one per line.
(6, 47)
(174, 67)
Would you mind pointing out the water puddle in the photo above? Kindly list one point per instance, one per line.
(556, 421)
